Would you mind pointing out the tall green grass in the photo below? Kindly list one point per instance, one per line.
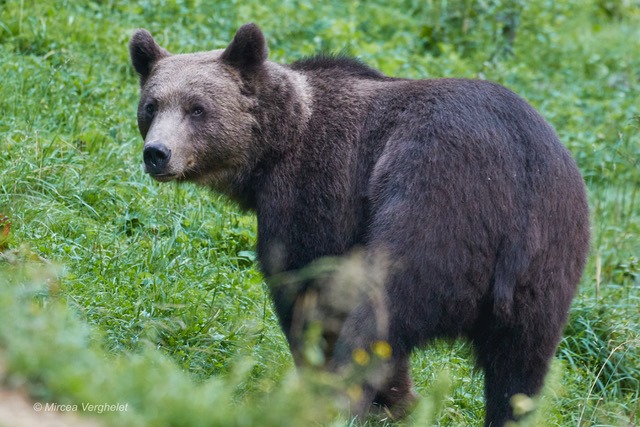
(154, 297)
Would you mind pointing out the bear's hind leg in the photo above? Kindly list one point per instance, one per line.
(514, 362)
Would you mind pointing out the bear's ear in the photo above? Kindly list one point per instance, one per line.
(248, 50)
(144, 52)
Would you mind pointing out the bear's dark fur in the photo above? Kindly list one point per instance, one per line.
(458, 187)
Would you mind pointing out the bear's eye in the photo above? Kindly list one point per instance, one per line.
(150, 109)
(197, 111)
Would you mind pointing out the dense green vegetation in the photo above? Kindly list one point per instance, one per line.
(116, 289)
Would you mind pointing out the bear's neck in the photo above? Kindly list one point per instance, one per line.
(283, 109)
(309, 191)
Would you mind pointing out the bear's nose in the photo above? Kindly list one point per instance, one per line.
(156, 157)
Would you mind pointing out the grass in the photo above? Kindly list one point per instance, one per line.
(114, 288)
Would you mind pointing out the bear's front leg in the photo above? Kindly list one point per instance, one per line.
(375, 372)
(397, 397)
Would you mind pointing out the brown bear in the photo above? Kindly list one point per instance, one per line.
(459, 188)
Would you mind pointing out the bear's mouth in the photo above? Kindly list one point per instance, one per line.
(162, 177)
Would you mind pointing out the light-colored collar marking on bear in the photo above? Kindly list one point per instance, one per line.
(301, 86)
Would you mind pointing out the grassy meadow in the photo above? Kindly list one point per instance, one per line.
(116, 289)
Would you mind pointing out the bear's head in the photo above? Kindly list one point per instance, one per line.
(197, 111)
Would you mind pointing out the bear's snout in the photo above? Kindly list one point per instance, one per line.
(156, 157)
